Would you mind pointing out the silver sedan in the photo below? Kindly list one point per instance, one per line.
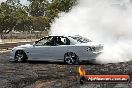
(70, 49)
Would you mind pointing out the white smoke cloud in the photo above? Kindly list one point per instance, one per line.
(105, 21)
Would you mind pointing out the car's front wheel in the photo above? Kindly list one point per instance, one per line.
(20, 56)
(71, 58)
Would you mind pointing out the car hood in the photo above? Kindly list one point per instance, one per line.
(24, 46)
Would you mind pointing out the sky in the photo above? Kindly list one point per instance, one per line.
(24, 2)
(2, 1)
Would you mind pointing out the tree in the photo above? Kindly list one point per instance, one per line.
(40, 23)
(11, 16)
(38, 7)
(37, 16)
(13, 2)
(63, 5)
(58, 6)
(24, 24)
(50, 8)
(7, 23)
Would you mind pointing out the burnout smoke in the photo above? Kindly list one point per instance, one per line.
(105, 21)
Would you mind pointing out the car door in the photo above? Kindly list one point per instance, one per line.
(57, 52)
(39, 51)
(49, 50)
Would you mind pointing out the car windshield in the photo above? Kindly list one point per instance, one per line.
(80, 39)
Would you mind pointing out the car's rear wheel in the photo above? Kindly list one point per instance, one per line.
(71, 58)
(20, 56)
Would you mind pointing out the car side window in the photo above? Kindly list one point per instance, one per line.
(63, 41)
(44, 41)
(67, 41)
(53, 41)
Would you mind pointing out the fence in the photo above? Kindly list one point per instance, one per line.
(21, 37)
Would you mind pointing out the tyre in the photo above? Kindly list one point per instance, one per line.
(71, 58)
(94, 61)
(20, 56)
(82, 80)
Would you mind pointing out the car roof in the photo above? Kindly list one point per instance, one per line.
(64, 35)
(57, 36)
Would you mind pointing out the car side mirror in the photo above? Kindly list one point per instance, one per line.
(34, 43)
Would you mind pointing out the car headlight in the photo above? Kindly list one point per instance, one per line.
(13, 49)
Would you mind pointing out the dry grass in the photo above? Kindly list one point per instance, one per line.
(55, 74)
